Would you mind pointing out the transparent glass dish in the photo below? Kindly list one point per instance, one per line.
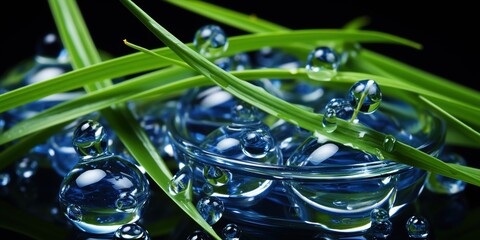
(336, 198)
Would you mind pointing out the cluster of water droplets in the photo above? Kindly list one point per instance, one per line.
(103, 191)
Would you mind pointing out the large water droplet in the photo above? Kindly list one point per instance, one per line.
(322, 63)
(329, 121)
(109, 190)
(216, 176)
(90, 139)
(389, 143)
(365, 93)
(231, 232)
(211, 209)
(380, 230)
(210, 41)
(343, 108)
(417, 227)
(131, 231)
(180, 181)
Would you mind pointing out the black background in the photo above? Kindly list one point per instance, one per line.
(446, 31)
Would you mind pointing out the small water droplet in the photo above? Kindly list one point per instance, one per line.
(131, 231)
(417, 227)
(244, 113)
(74, 213)
(256, 144)
(389, 143)
(322, 64)
(343, 108)
(50, 49)
(445, 185)
(180, 181)
(365, 93)
(198, 235)
(126, 202)
(379, 154)
(211, 209)
(381, 230)
(216, 176)
(90, 139)
(210, 41)
(4, 179)
(27, 166)
(329, 121)
(207, 189)
(379, 215)
(231, 232)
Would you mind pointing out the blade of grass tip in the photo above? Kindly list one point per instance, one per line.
(357, 23)
(249, 23)
(372, 142)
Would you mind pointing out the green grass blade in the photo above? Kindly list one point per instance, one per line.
(345, 132)
(248, 23)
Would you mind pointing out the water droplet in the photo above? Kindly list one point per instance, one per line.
(379, 154)
(50, 49)
(365, 93)
(4, 179)
(256, 144)
(27, 166)
(329, 121)
(216, 176)
(198, 235)
(417, 227)
(180, 181)
(381, 230)
(244, 113)
(379, 215)
(211, 209)
(231, 232)
(322, 63)
(343, 108)
(389, 143)
(445, 185)
(131, 231)
(240, 62)
(207, 189)
(74, 212)
(210, 41)
(126, 202)
(349, 51)
(90, 139)
(109, 190)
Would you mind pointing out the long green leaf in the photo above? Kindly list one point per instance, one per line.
(140, 62)
(372, 141)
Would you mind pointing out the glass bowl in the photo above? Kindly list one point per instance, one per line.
(336, 197)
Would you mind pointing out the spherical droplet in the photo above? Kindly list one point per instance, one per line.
(210, 41)
(198, 235)
(90, 139)
(4, 179)
(379, 215)
(50, 49)
(207, 189)
(343, 109)
(389, 143)
(417, 227)
(211, 209)
(131, 231)
(231, 232)
(329, 121)
(244, 113)
(365, 93)
(27, 166)
(256, 144)
(126, 202)
(74, 213)
(215, 175)
(381, 230)
(180, 181)
(322, 63)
